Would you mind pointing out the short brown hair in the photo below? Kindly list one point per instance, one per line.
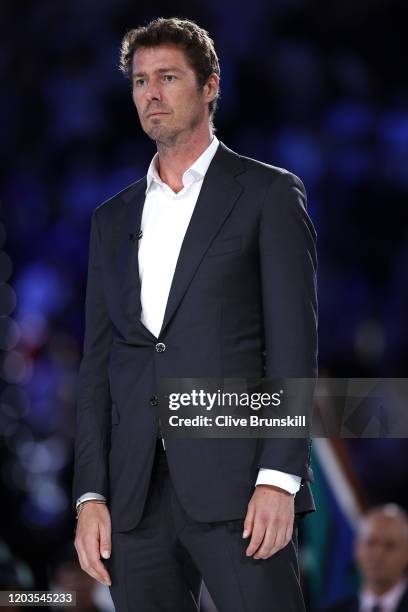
(195, 41)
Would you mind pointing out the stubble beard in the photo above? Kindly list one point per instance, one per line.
(168, 137)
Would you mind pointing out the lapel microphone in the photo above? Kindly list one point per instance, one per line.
(132, 237)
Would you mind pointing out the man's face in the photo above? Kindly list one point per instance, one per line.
(166, 94)
(382, 549)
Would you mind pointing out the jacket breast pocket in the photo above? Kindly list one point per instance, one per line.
(115, 416)
(224, 246)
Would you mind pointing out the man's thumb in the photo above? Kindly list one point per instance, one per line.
(105, 546)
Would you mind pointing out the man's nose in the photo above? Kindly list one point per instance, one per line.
(153, 91)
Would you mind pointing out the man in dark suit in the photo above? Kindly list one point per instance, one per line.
(381, 553)
(205, 267)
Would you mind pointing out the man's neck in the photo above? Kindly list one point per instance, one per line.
(379, 589)
(174, 160)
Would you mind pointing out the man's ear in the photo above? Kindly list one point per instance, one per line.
(211, 86)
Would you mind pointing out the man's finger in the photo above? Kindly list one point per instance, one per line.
(101, 573)
(258, 533)
(289, 532)
(105, 546)
(94, 567)
(249, 521)
(268, 543)
(282, 539)
(91, 560)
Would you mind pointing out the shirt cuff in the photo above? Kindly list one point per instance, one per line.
(89, 497)
(288, 482)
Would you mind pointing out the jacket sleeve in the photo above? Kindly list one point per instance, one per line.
(287, 247)
(93, 410)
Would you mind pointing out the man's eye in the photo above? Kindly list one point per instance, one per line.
(139, 82)
(169, 77)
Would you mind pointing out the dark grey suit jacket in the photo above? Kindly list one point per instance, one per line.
(242, 304)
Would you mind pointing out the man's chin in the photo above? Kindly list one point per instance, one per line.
(378, 578)
(161, 135)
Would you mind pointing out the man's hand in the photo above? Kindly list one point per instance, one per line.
(93, 540)
(269, 519)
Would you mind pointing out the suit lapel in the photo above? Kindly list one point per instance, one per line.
(218, 195)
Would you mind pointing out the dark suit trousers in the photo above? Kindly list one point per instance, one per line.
(157, 567)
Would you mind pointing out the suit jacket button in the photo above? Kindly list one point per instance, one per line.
(154, 401)
(160, 347)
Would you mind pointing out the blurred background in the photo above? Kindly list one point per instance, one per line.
(318, 87)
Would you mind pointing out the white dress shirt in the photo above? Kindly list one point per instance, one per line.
(388, 602)
(165, 218)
